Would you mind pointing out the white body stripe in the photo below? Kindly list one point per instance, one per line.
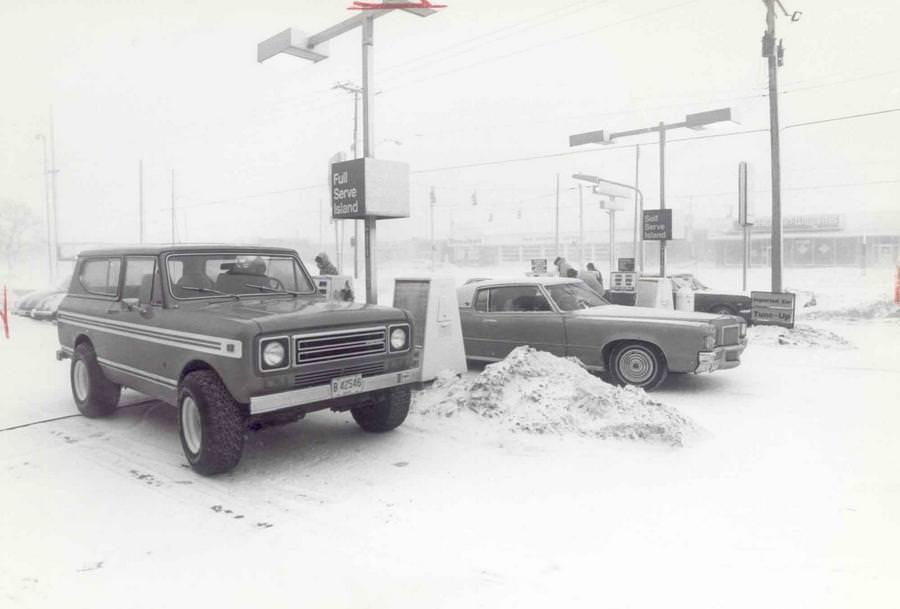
(156, 335)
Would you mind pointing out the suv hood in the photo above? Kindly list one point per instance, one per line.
(287, 315)
(625, 312)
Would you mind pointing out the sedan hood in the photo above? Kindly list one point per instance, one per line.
(625, 312)
(286, 315)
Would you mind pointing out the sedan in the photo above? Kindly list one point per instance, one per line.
(634, 345)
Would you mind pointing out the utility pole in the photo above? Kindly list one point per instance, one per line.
(638, 252)
(580, 226)
(50, 264)
(662, 193)
(173, 207)
(432, 197)
(556, 223)
(774, 56)
(141, 201)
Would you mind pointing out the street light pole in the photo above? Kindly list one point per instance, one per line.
(662, 193)
(50, 265)
(775, 136)
(638, 202)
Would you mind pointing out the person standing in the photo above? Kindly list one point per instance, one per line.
(562, 266)
(593, 278)
(324, 264)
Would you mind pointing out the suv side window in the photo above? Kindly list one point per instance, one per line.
(142, 280)
(100, 276)
(518, 299)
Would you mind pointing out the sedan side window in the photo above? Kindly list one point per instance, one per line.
(481, 301)
(517, 299)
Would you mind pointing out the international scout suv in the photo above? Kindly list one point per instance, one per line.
(232, 336)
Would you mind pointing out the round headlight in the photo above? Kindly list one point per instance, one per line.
(273, 355)
(398, 338)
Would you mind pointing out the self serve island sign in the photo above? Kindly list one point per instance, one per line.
(369, 188)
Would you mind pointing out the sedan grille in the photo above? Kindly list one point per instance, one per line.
(731, 335)
(334, 346)
(309, 379)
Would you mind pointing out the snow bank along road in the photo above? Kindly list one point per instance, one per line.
(790, 500)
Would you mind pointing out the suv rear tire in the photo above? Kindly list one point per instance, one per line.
(210, 423)
(385, 412)
(95, 395)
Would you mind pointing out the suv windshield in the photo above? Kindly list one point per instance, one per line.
(205, 275)
(572, 296)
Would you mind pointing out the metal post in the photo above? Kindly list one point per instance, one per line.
(355, 155)
(580, 226)
(55, 200)
(743, 219)
(638, 214)
(49, 218)
(612, 241)
(368, 32)
(662, 194)
(141, 201)
(173, 207)
(431, 199)
(775, 138)
(556, 222)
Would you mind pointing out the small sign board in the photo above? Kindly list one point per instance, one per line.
(773, 308)
(626, 265)
(657, 224)
(623, 282)
(539, 266)
(369, 188)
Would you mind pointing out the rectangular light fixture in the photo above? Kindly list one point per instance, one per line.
(698, 120)
(591, 137)
(292, 42)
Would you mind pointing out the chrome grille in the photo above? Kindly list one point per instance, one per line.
(730, 335)
(314, 348)
(309, 379)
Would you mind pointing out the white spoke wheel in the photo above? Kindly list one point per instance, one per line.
(94, 394)
(210, 422)
(190, 422)
(80, 380)
(638, 364)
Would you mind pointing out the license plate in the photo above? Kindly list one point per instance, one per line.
(346, 385)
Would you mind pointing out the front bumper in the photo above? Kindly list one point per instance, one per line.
(720, 358)
(320, 393)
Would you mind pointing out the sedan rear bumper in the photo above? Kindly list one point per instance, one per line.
(720, 358)
(320, 393)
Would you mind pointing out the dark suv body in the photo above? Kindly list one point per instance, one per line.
(232, 336)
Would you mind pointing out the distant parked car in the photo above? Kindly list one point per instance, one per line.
(48, 307)
(635, 345)
(25, 305)
(708, 301)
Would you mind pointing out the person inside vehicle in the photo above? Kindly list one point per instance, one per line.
(193, 276)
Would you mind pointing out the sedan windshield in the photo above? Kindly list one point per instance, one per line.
(209, 275)
(573, 296)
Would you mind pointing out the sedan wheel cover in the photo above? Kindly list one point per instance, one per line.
(636, 366)
(191, 426)
(80, 380)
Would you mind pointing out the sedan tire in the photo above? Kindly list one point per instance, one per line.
(211, 424)
(95, 395)
(638, 364)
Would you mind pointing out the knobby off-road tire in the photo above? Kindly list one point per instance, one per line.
(95, 395)
(210, 423)
(638, 364)
(387, 411)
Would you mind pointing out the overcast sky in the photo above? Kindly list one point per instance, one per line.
(176, 83)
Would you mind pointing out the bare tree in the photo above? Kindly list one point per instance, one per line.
(17, 225)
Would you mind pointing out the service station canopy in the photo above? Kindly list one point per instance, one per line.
(369, 188)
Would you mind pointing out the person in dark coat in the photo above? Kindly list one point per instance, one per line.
(562, 266)
(596, 275)
(324, 264)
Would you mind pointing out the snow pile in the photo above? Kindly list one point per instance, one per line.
(537, 392)
(877, 309)
(800, 335)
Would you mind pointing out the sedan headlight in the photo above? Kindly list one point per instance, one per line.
(710, 342)
(399, 338)
(743, 330)
(274, 354)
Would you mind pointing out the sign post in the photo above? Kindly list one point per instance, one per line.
(369, 189)
(773, 308)
(658, 227)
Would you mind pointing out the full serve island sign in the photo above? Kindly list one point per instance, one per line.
(369, 189)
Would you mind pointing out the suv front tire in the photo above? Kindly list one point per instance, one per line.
(387, 410)
(210, 422)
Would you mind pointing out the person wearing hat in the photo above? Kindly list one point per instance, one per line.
(324, 264)
(562, 266)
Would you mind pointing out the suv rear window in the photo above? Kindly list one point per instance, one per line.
(100, 276)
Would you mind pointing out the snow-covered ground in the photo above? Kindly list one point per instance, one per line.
(788, 495)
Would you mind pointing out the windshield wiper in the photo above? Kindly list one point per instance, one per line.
(209, 291)
(265, 288)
